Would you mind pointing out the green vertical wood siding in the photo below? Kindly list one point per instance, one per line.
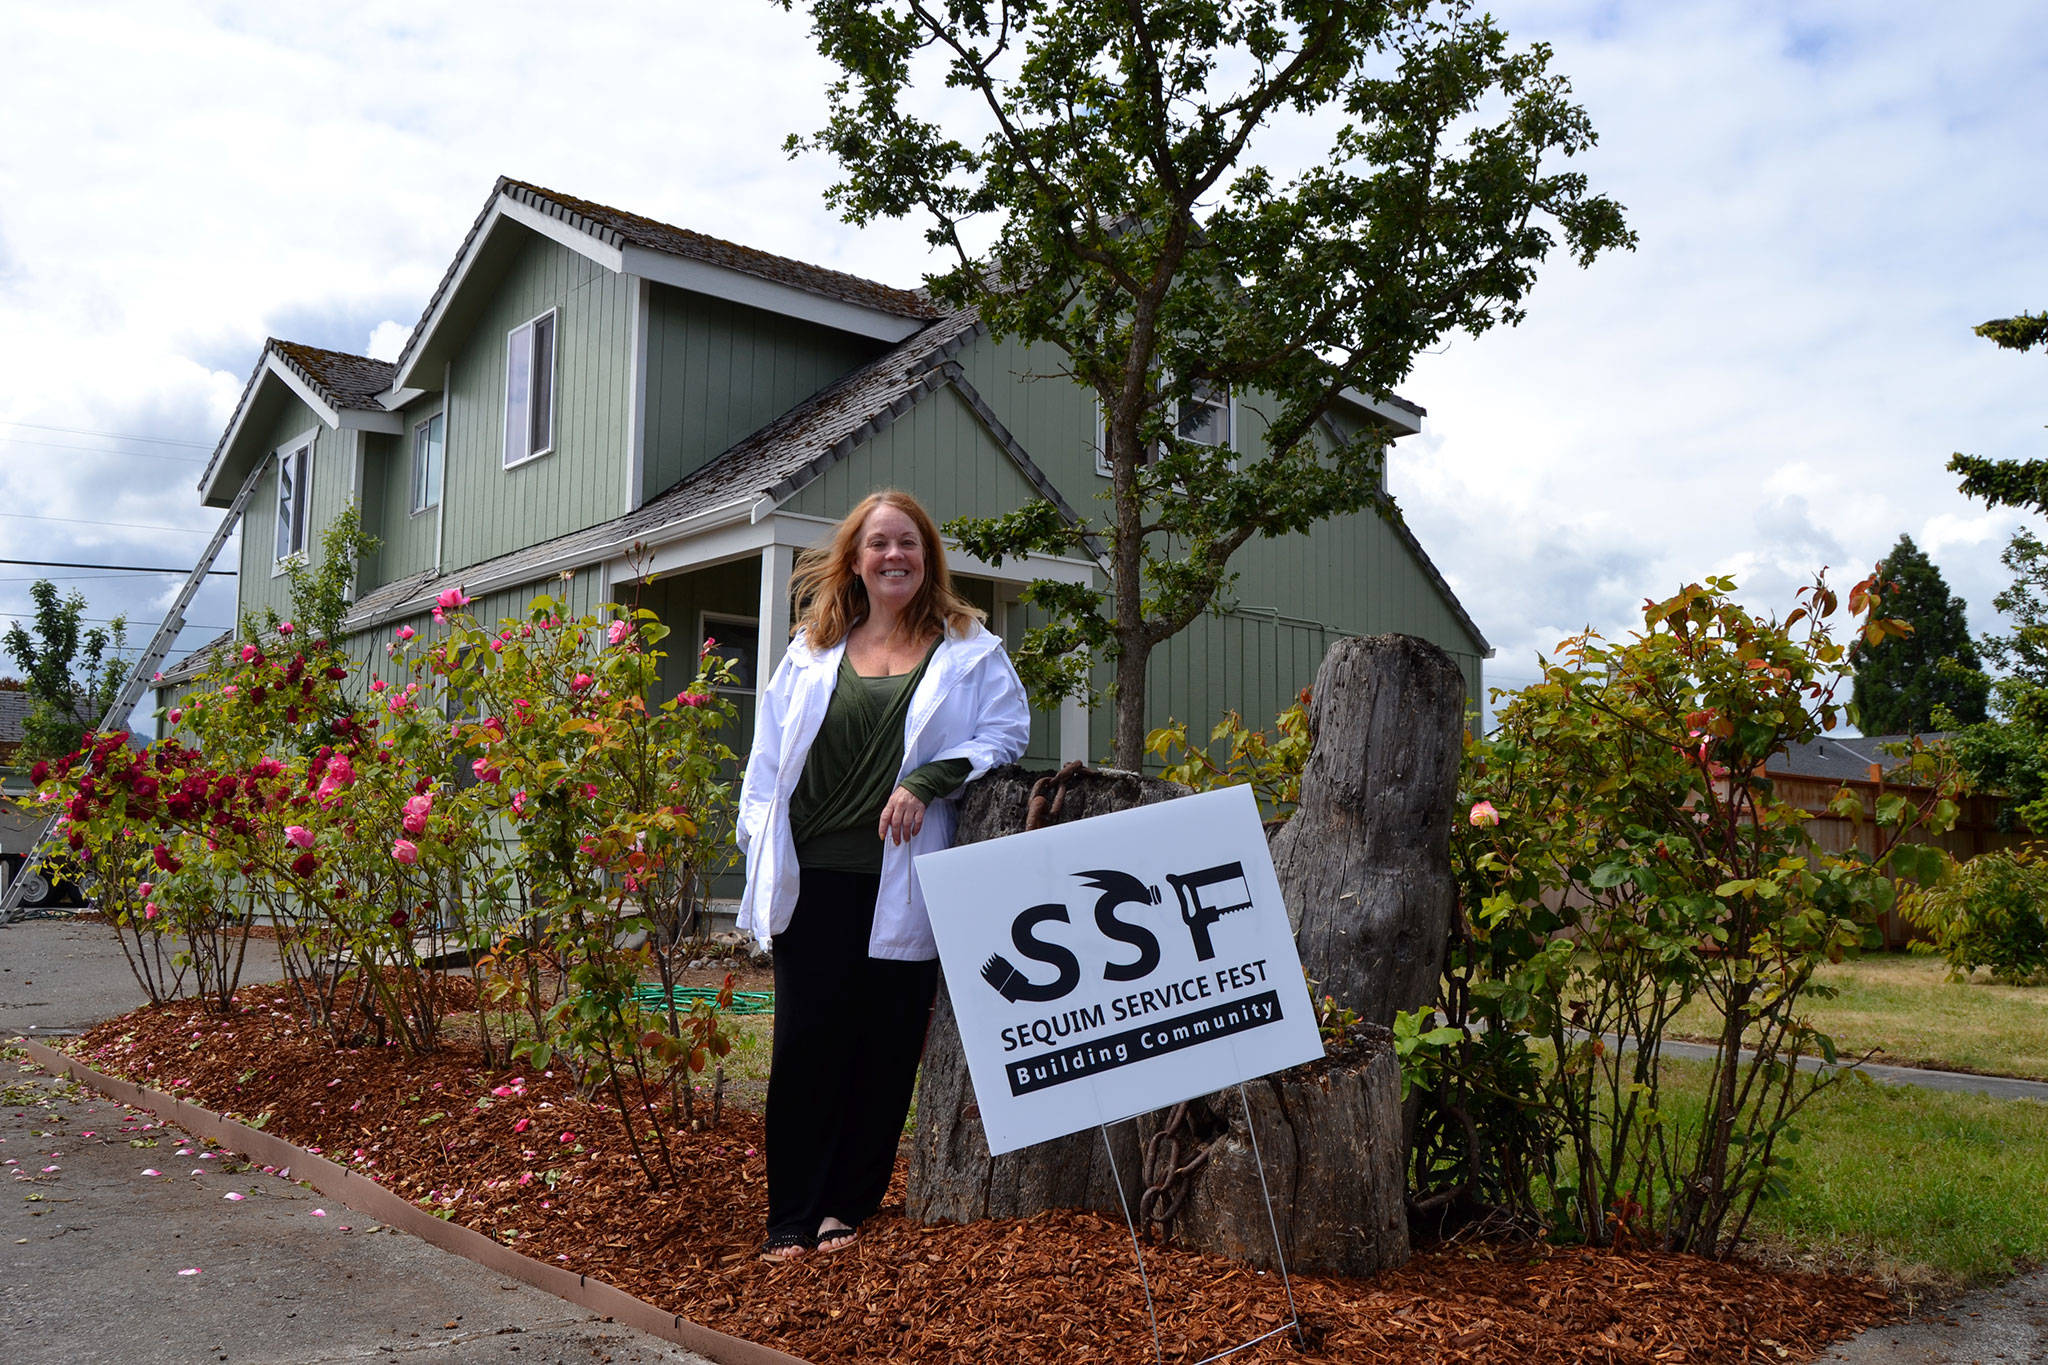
(406, 538)
(938, 452)
(717, 371)
(260, 587)
(490, 509)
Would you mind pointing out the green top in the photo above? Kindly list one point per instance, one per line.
(851, 771)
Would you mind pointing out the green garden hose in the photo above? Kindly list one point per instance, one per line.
(650, 996)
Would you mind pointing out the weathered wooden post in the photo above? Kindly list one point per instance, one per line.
(1364, 866)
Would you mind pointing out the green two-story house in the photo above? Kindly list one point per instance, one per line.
(669, 419)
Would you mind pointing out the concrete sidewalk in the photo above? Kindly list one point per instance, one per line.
(208, 1260)
(91, 1252)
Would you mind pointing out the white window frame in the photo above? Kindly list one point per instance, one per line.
(706, 620)
(1102, 434)
(300, 450)
(529, 450)
(421, 502)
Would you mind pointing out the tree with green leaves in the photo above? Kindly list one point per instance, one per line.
(2008, 483)
(71, 674)
(1111, 204)
(1901, 681)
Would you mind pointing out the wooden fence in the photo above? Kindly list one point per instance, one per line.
(1976, 830)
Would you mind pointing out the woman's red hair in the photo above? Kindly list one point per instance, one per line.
(831, 599)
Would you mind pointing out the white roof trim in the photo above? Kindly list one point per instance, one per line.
(1405, 420)
(739, 287)
(661, 267)
(308, 395)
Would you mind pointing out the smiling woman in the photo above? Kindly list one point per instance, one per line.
(891, 697)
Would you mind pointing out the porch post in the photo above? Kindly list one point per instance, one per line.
(778, 562)
(1073, 730)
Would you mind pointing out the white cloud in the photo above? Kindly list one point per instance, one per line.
(1828, 198)
(387, 339)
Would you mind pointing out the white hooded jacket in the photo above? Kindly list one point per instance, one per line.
(969, 704)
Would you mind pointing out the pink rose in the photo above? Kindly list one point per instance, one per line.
(405, 851)
(1484, 815)
(285, 627)
(709, 645)
(298, 836)
(420, 805)
(176, 715)
(378, 685)
(249, 654)
(619, 631)
(452, 600)
(519, 802)
(581, 682)
(484, 771)
(404, 632)
(694, 698)
(230, 690)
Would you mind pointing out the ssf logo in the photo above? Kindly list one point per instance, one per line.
(1205, 896)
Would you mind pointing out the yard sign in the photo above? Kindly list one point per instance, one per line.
(1116, 965)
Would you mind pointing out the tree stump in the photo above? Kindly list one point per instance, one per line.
(1330, 1140)
(1365, 862)
(953, 1179)
(1364, 866)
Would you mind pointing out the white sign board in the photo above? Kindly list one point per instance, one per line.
(1116, 965)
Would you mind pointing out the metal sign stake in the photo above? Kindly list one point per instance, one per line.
(1272, 1221)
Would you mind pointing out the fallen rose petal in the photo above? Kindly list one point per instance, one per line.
(151, 1170)
(235, 1195)
(319, 1213)
(193, 1271)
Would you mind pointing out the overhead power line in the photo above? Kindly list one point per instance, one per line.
(110, 435)
(125, 525)
(124, 568)
(102, 450)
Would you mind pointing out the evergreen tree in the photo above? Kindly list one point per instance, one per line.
(1900, 682)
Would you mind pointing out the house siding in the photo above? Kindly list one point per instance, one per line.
(406, 539)
(717, 371)
(261, 588)
(491, 510)
(938, 452)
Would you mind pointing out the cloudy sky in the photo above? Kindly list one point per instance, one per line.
(1828, 197)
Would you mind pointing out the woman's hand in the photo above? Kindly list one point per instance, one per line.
(902, 818)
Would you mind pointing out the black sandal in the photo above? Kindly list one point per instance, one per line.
(839, 1238)
(783, 1247)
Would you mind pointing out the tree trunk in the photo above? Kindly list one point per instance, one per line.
(952, 1176)
(1365, 863)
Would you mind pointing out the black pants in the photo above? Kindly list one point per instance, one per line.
(849, 1030)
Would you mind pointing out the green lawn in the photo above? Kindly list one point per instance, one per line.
(1919, 1187)
(1900, 1004)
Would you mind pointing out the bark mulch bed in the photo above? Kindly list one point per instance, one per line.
(547, 1173)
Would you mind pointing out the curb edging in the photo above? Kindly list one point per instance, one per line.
(373, 1200)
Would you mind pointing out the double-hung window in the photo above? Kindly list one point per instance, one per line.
(294, 490)
(530, 390)
(427, 452)
(1205, 417)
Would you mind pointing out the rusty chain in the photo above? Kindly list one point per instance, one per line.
(1042, 806)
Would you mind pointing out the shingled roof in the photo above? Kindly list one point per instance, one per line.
(345, 381)
(774, 461)
(616, 227)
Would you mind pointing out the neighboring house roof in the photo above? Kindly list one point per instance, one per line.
(14, 709)
(1844, 759)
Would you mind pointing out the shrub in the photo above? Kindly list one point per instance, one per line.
(1992, 911)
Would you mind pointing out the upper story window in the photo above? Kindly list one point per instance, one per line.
(294, 490)
(530, 390)
(427, 447)
(1205, 419)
